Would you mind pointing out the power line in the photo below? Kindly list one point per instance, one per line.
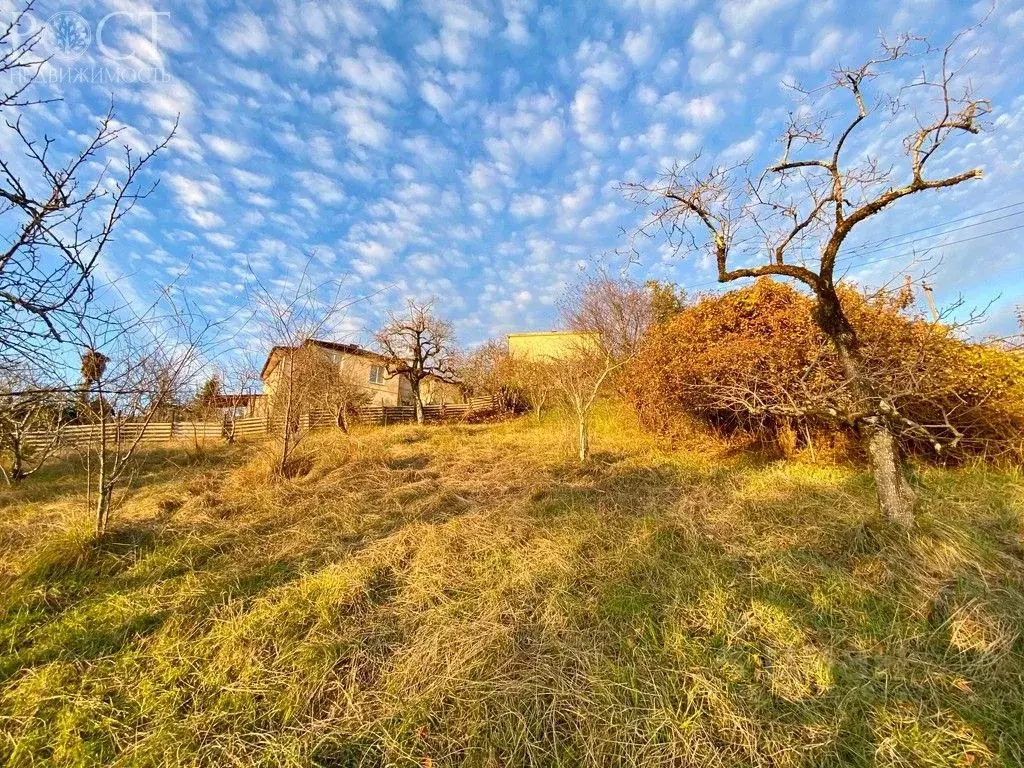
(953, 242)
(945, 224)
(878, 247)
(849, 256)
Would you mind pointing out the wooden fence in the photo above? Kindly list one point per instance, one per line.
(259, 426)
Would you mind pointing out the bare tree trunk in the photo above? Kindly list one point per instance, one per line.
(102, 486)
(103, 508)
(16, 475)
(895, 496)
(418, 402)
(584, 439)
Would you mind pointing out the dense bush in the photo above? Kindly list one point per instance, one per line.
(753, 361)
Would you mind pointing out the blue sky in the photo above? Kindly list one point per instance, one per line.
(471, 151)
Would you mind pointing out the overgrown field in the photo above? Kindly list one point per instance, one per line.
(468, 595)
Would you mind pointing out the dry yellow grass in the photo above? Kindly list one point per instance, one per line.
(468, 595)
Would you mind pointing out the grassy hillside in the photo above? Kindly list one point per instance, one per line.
(468, 595)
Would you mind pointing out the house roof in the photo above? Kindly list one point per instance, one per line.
(517, 334)
(234, 401)
(334, 346)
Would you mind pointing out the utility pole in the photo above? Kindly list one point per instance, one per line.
(931, 301)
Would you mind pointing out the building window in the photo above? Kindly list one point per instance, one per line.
(376, 374)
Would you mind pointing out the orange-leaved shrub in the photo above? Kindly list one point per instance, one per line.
(753, 361)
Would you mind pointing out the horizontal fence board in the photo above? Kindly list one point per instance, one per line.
(254, 426)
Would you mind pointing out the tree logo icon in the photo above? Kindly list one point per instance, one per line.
(68, 35)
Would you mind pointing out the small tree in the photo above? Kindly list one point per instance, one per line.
(804, 208)
(330, 386)
(208, 396)
(615, 311)
(667, 300)
(32, 421)
(417, 345)
(289, 316)
(137, 366)
(489, 370)
(242, 376)
(534, 380)
(579, 378)
(610, 316)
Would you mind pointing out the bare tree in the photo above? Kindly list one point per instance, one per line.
(330, 385)
(579, 378)
(135, 366)
(417, 345)
(616, 310)
(242, 376)
(489, 369)
(803, 208)
(290, 315)
(58, 210)
(32, 421)
(535, 380)
(609, 316)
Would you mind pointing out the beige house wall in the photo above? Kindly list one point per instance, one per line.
(547, 345)
(357, 367)
(389, 391)
(437, 392)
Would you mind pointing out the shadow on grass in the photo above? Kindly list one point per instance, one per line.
(865, 638)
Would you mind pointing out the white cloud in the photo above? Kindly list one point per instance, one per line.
(532, 132)
(742, 16)
(319, 186)
(221, 240)
(204, 219)
(639, 45)
(171, 99)
(741, 150)
(659, 7)
(372, 71)
(199, 193)
(250, 180)
(516, 29)
(826, 50)
(244, 33)
(528, 206)
(227, 148)
(461, 25)
(363, 127)
(705, 37)
(436, 96)
(601, 65)
(586, 108)
(703, 110)
(586, 114)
